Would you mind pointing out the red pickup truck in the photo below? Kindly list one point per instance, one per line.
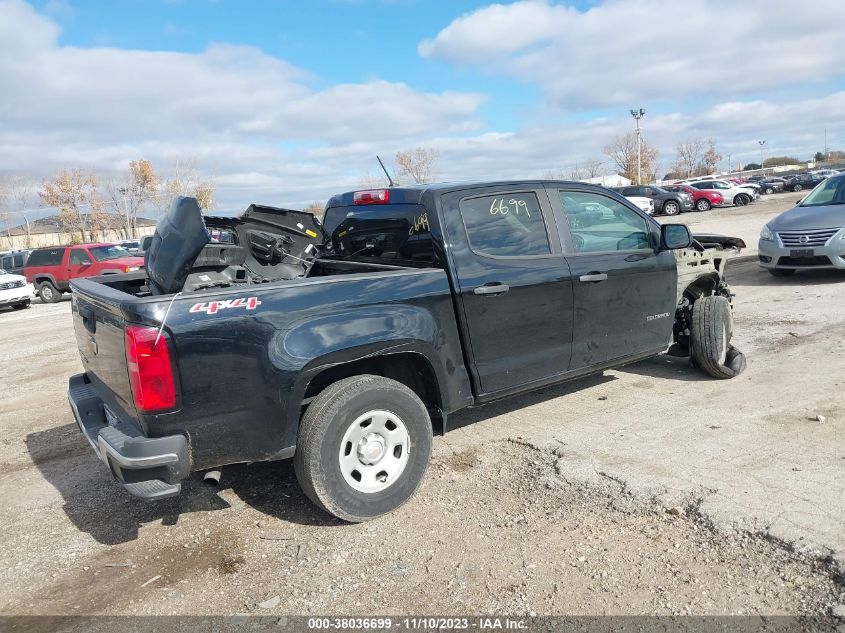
(50, 269)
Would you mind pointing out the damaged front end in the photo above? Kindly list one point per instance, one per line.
(703, 326)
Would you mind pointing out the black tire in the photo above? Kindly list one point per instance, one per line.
(710, 336)
(769, 191)
(741, 200)
(329, 416)
(21, 306)
(703, 204)
(48, 292)
(797, 188)
(670, 207)
(781, 272)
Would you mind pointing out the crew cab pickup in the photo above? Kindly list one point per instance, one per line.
(50, 269)
(345, 345)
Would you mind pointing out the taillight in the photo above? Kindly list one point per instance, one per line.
(150, 370)
(371, 196)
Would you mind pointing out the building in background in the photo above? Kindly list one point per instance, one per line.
(47, 232)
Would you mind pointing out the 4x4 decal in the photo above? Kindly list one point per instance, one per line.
(212, 307)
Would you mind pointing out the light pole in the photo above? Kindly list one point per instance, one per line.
(729, 164)
(762, 143)
(639, 114)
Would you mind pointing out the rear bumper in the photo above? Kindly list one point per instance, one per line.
(148, 467)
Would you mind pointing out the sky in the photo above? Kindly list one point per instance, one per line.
(288, 102)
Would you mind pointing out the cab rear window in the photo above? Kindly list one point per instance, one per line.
(392, 233)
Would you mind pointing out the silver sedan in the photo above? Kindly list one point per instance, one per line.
(810, 235)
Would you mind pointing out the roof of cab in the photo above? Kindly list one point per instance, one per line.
(413, 194)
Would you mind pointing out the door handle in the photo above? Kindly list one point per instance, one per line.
(491, 289)
(593, 277)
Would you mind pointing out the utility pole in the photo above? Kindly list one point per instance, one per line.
(639, 114)
(762, 143)
(826, 150)
(729, 165)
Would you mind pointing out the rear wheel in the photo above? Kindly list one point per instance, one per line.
(363, 448)
(48, 292)
(710, 336)
(797, 188)
(769, 190)
(703, 204)
(671, 208)
(781, 272)
(742, 199)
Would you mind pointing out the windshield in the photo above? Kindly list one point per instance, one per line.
(831, 191)
(103, 253)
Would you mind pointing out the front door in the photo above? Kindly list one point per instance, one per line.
(624, 286)
(78, 261)
(513, 283)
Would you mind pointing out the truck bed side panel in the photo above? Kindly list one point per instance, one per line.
(243, 372)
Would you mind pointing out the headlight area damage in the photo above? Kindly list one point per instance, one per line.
(703, 319)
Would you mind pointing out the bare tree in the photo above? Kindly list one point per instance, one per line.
(5, 213)
(622, 150)
(554, 174)
(15, 195)
(73, 191)
(138, 186)
(689, 152)
(187, 180)
(593, 168)
(316, 209)
(711, 159)
(372, 181)
(417, 165)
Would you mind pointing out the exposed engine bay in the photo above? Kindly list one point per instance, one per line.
(191, 252)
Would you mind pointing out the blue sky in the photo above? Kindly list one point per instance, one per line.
(288, 102)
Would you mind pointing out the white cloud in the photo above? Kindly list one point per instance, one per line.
(648, 50)
(271, 132)
(101, 107)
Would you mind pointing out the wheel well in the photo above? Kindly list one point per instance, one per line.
(40, 278)
(703, 286)
(412, 370)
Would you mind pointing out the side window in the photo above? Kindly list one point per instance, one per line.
(46, 257)
(601, 224)
(6, 262)
(79, 257)
(19, 260)
(505, 225)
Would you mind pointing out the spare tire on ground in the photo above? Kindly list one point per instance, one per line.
(710, 334)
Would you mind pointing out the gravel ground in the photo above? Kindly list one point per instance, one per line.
(588, 498)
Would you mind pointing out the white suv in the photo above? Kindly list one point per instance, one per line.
(14, 291)
(739, 195)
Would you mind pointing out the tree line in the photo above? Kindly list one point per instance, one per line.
(86, 204)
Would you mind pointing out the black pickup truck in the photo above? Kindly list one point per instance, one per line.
(344, 345)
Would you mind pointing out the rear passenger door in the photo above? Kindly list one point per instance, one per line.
(513, 284)
(624, 286)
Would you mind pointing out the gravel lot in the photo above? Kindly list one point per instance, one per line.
(647, 490)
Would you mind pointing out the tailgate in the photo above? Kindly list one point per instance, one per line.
(98, 324)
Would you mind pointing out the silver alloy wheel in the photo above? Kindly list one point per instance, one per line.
(671, 208)
(47, 292)
(702, 205)
(374, 451)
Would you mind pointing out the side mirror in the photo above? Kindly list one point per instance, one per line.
(675, 236)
